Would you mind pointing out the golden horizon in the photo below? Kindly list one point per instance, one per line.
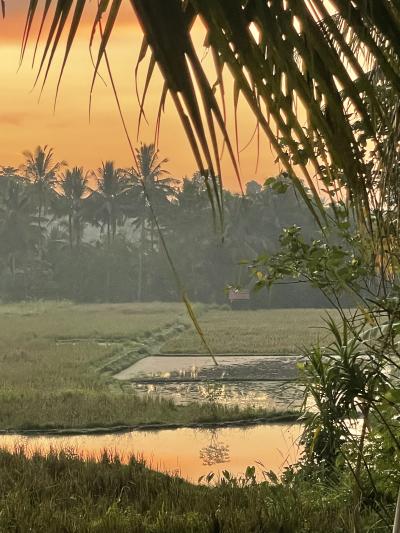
(28, 121)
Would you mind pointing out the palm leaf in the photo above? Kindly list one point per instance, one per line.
(302, 54)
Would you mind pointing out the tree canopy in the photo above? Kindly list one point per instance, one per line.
(96, 239)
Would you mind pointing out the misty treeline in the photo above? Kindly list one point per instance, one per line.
(91, 236)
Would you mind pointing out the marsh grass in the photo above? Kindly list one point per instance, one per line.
(61, 492)
(99, 408)
(272, 331)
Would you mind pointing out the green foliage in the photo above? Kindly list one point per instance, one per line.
(341, 382)
(351, 400)
(332, 268)
(280, 186)
(102, 243)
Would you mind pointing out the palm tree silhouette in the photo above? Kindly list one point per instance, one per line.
(19, 228)
(109, 206)
(109, 199)
(74, 191)
(41, 170)
(151, 193)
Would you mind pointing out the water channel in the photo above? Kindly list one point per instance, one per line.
(189, 453)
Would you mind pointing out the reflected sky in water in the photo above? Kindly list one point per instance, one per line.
(190, 453)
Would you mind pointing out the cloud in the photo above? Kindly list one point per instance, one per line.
(16, 118)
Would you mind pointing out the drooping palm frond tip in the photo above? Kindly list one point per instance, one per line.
(288, 58)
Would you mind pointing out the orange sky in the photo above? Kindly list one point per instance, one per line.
(26, 122)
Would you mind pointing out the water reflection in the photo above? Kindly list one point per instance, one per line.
(265, 380)
(191, 453)
(232, 366)
(268, 395)
(216, 452)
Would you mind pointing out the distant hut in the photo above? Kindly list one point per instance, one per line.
(239, 298)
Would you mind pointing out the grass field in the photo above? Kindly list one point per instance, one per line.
(44, 383)
(275, 331)
(61, 492)
(64, 320)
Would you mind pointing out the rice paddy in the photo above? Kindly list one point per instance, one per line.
(58, 362)
(272, 331)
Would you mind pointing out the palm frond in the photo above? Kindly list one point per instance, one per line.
(300, 52)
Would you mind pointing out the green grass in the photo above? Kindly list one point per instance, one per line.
(44, 384)
(61, 492)
(280, 331)
(53, 320)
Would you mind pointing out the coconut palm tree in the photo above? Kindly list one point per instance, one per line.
(151, 194)
(19, 228)
(108, 206)
(71, 202)
(41, 170)
(109, 200)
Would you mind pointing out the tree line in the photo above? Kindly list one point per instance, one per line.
(92, 235)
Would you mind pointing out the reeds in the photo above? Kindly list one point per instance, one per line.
(60, 492)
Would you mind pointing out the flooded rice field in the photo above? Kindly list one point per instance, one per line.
(243, 380)
(256, 394)
(189, 453)
(271, 367)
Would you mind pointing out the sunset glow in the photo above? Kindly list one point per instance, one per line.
(28, 119)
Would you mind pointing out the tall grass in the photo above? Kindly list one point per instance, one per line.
(60, 492)
(272, 331)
